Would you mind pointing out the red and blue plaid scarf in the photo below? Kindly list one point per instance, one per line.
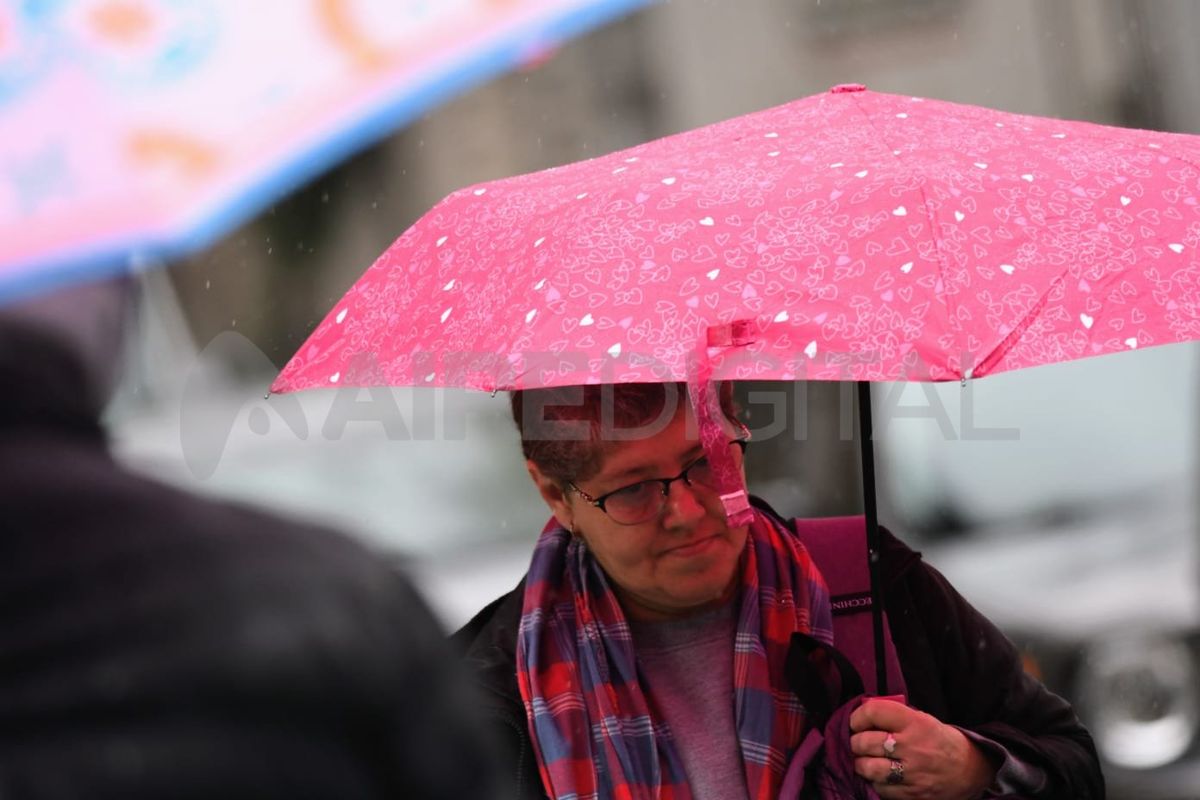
(594, 730)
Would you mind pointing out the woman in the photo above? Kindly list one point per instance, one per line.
(644, 653)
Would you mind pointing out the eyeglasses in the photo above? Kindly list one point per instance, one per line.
(643, 501)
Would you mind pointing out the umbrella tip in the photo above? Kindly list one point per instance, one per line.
(842, 88)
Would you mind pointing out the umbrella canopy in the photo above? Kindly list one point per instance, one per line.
(848, 235)
(140, 130)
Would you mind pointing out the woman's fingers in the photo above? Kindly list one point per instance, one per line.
(874, 743)
(880, 714)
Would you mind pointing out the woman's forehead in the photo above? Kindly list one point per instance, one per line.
(651, 454)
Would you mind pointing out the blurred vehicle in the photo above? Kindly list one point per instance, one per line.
(1061, 501)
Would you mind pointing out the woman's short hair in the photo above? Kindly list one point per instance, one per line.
(568, 430)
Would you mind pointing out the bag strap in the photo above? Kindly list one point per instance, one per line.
(838, 545)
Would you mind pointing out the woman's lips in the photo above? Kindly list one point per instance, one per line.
(694, 547)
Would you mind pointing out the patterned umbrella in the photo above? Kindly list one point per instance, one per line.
(849, 235)
(134, 131)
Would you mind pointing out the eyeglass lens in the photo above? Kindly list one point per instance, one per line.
(642, 501)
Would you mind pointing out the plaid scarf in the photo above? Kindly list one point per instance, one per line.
(594, 730)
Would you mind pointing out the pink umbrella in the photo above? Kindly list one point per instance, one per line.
(141, 130)
(848, 235)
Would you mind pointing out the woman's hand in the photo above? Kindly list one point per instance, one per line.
(928, 761)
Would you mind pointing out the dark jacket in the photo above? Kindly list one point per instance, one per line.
(157, 645)
(956, 664)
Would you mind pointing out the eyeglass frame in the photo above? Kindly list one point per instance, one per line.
(742, 441)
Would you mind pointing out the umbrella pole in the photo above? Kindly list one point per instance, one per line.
(866, 442)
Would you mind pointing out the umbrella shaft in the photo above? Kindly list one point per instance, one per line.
(866, 442)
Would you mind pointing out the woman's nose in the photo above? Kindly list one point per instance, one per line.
(683, 505)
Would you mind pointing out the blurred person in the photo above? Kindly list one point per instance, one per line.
(646, 653)
(158, 645)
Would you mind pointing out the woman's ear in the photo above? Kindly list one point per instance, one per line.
(553, 494)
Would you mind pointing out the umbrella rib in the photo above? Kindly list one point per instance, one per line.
(986, 364)
(944, 275)
(999, 351)
(937, 242)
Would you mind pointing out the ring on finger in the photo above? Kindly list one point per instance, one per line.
(889, 746)
(895, 774)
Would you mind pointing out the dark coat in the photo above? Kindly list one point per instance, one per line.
(157, 645)
(956, 664)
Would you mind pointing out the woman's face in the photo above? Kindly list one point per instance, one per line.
(680, 562)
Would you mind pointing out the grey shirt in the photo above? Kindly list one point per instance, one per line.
(687, 670)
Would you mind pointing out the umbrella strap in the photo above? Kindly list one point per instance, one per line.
(704, 396)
